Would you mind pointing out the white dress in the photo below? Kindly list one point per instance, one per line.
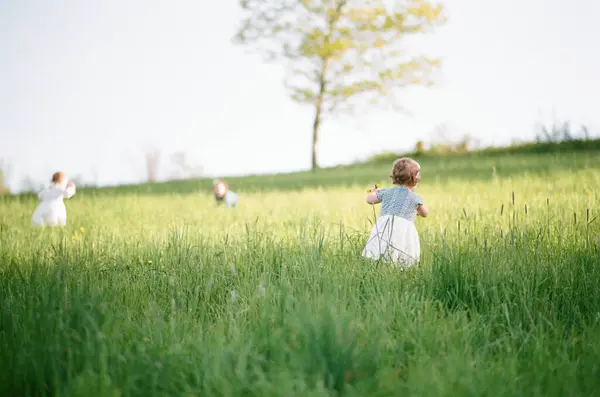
(52, 211)
(394, 238)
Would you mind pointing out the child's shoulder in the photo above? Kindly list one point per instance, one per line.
(389, 192)
(413, 193)
(402, 189)
(407, 193)
(417, 198)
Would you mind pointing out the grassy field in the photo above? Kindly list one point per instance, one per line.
(151, 291)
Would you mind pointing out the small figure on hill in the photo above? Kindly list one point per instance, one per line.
(223, 194)
(394, 237)
(52, 211)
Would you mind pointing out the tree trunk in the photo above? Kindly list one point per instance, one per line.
(317, 121)
(315, 136)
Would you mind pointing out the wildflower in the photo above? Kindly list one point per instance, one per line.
(149, 261)
(82, 229)
(74, 238)
(375, 188)
(147, 340)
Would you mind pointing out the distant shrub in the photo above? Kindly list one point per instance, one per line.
(558, 137)
(384, 157)
(420, 148)
(575, 145)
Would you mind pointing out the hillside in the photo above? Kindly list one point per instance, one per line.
(533, 158)
(540, 159)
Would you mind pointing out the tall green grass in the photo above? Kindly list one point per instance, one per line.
(164, 295)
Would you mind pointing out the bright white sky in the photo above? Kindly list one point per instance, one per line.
(87, 86)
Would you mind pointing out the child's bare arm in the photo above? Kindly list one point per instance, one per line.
(422, 210)
(372, 198)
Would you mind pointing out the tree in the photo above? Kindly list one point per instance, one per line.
(152, 162)
(341, 53)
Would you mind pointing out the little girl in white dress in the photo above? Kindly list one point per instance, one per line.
(52, 211)
(394, 237)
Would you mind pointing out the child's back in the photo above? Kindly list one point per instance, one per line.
(54, 193)
(399, 201)
(52, 211)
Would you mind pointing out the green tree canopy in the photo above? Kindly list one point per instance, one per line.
(341, 53)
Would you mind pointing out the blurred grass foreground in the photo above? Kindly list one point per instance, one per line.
(152, 291)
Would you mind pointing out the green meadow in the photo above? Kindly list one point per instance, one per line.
(153, 291)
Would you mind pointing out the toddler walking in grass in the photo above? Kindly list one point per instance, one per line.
(394, 237)
(222, 194)
(52, 211)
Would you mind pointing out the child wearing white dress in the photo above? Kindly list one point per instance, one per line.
(394, 237)
(52, 211)
(223, 194)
